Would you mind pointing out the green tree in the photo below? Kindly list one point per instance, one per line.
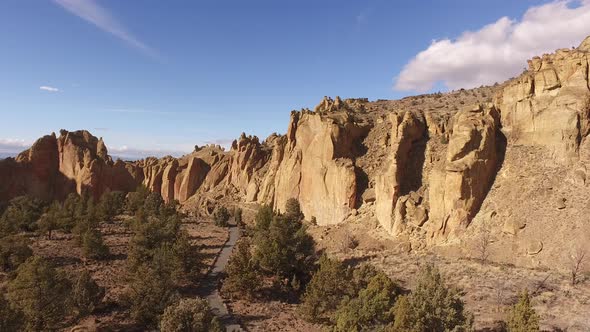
(50, 220)
(14, 250)
(293, 209)
(192, 315)
(328, 286)
(21, 214)
(41, 293)
(93, 244)
(371, 308)
(152, 204)
(432, 306)
(68, 213)
(243, 277)
(186, 254)
(238, 216)
(86, 293)
(10, 319)
(285, 249)
(263, 218)
(221, 216)
(522, 317)
(151, 290)
(150, 234)
(85, 218)
(135, 200)
(110, 205)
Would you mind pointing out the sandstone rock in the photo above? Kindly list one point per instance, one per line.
(316, 167)
(457, 191)
(195, 174)
(547, 105)
(406, 129)
(369, 195)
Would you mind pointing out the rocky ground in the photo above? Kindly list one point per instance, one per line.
(489, 288)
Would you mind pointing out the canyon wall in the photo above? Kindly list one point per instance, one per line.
(423, 166)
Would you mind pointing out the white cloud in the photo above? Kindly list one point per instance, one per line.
(13, 146)
(498, 50)
(92, 12)
(126, 152)
(48, 88)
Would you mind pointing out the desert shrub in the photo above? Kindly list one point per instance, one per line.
(110, 205)
(293, 209)
(86, 293)
(349, 242)
(50, 220)
(158, 242)
(68, 216)
(431, 307)
(189, 315)
(93, 244)
(221, 216)
(329, 284)
(10, 319)
(238, 216)
(41, 293)
(370, 309)
(152, 204)
(85, 218)
(263, 218)
(151, 290)
(21, 214)
(135, 200)
(361, 276)
(186, 254)
(151, 233)
(522, 317)
(14, 250)
(285, 249)
(243, 278)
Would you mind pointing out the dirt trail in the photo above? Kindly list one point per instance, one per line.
(209, 286)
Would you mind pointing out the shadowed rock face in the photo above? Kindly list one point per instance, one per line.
(422, 170)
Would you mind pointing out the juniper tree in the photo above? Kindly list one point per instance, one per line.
(86, 293)
(190, 315)
(41, 293)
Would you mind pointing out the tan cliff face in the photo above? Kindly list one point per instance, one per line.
(430, 169)
(547, 105)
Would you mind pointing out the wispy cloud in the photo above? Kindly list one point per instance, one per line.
(499, 50)
(48, 88)
(93, 13)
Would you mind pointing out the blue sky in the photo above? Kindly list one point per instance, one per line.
(160, 76)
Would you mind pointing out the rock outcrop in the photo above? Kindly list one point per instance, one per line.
(317, 166)
(406, 129)
(548, 104)
(458, 190)
(73, 162)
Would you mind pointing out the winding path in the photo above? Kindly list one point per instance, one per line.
(209, 286)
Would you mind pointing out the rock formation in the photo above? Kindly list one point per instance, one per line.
(548, 104)
(426, 168)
